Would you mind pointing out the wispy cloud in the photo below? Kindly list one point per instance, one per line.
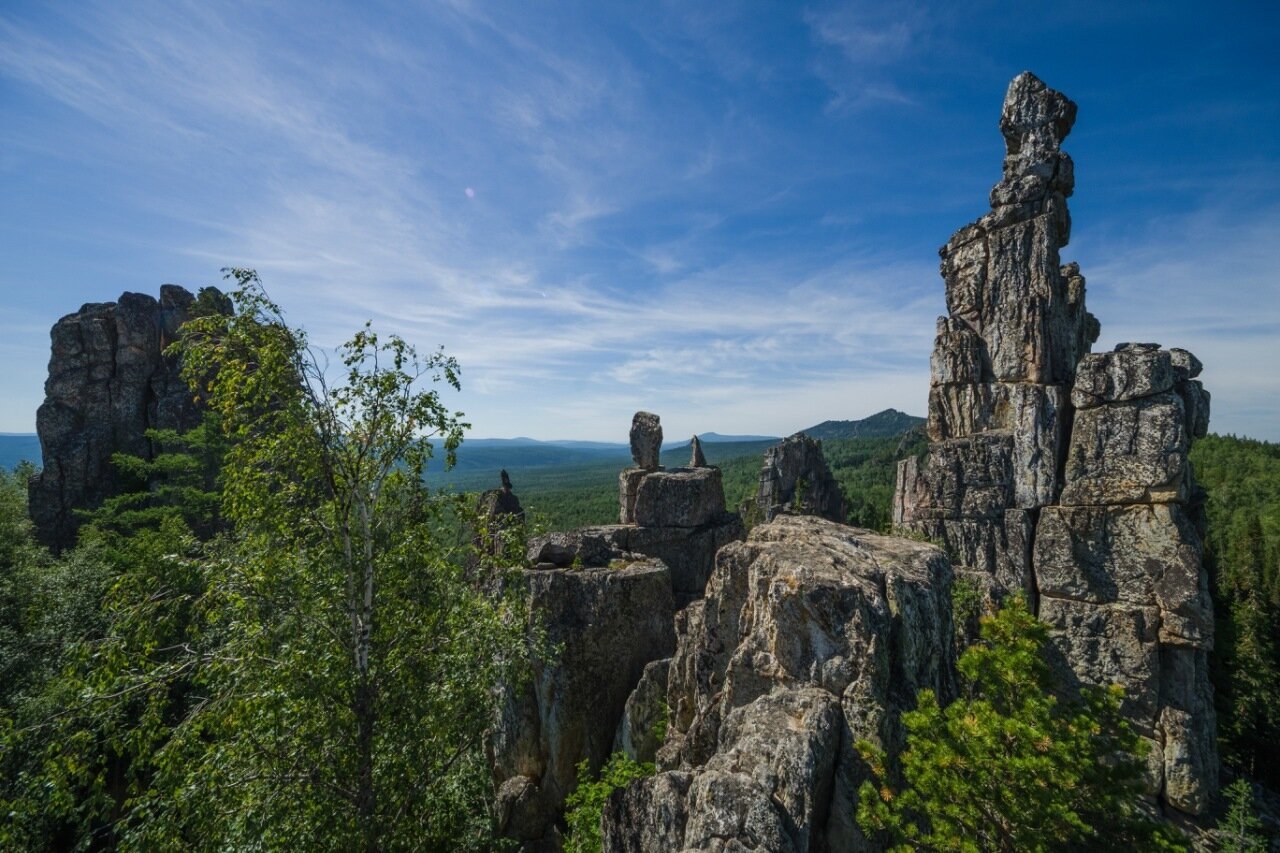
(595, 212)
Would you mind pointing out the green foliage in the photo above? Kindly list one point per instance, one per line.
(578, 496)
(320, 676)
(179, 481)
(1239, 830)
(585, 804)
(1008, 767)
(968, 603)
(1242, 549)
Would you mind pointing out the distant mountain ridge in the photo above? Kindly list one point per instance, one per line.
(890, 422)
(16, 447)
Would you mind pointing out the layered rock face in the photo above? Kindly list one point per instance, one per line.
(795, 479)
(608, 596)
(109, 382)
(1064, 474)
(1119, 563)
(811, 635)
(608, 624)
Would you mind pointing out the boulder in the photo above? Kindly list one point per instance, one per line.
(1130, 372)
(1129, 452)
(680, 497)
(646, 440)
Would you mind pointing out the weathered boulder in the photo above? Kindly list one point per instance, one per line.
(795, 479)
(109, 382)
(646, 440)
(1130, 452)
(1130, 372)
(679, 497)
(608, 625)
(811, 635)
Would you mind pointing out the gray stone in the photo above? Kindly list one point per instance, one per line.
(768, 787)
(805, 617)
(1185, 365)
(644, 717)
(1144, 555)
(1195, 402)
(968, 477)
(795, 479)
(647, 816)
(680, 497)
(1131, 452)
(646, 440)
(696, 458)
(1034, 440)
(608, 624)
(1125, 374)
(628, 488)
(1102, 644)
(998, 547)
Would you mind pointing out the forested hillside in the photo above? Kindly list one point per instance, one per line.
(563, 498)
(1242, 477)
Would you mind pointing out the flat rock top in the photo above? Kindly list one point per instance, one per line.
(845, 549)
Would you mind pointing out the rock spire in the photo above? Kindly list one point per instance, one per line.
(109, 382)
(1064, 475)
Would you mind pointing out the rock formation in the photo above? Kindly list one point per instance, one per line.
(795, 479)
(811, 636)
(1062, 474)
(608, 597)
(607, 623)
(696, 458)
(677, 516)
(109, 382)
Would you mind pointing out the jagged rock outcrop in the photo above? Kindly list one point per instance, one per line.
(811, 636)
(697, 459)
(795, 479)
(674, 515)
(608, 624)
(608, 597)
(1121, 559)
(109, 382)
(1064, 474)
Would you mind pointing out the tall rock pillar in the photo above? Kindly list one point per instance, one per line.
(1064, 474)
(1005, 355)
(109, 382)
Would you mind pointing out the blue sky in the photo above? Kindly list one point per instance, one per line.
(724, 213)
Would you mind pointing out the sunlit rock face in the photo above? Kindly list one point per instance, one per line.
(811, 636)
(1063, 474)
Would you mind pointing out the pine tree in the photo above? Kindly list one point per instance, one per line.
(1009, 767)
